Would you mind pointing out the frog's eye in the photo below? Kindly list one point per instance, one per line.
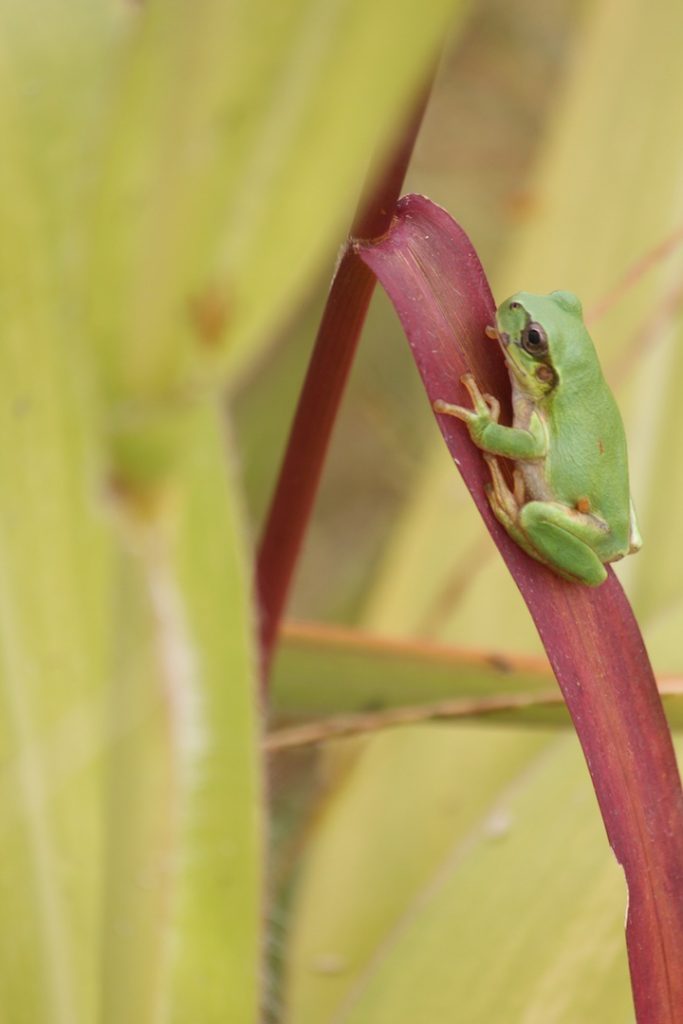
(534, 340)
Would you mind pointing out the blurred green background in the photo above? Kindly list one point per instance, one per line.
(176, 183)
(424, 894)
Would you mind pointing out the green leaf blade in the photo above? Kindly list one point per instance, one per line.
(182, 925)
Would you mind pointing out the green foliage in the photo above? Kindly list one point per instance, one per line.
(501, 935)
(471, 890)
(174, 177)
(171, 175)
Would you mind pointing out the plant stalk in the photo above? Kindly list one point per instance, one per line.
(321, 394)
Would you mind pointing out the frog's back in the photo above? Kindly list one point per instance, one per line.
(587, 467)
(554, 362)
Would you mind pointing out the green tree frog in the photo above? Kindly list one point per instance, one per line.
(569, 505)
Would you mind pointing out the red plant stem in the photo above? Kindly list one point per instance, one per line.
(438, 287)
(328, 370)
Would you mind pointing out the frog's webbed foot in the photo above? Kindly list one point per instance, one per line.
(507, 504)
(493, 406)
(503, 501)
(482, 404)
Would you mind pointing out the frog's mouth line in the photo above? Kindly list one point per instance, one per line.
(503, 340)
(544, 374)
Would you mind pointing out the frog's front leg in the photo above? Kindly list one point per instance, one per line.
(490, 435)
(505, 503)
(486, 408)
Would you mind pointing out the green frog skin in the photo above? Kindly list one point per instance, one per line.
(570, 505)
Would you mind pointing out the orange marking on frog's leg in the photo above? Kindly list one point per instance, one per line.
(583, 505)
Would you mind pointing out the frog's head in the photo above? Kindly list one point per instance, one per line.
(543, 337)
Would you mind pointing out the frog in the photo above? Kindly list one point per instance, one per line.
(569, 505)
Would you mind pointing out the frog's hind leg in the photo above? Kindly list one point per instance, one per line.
(565, 540)
(519, 487)
(506, 504)
(502, 500)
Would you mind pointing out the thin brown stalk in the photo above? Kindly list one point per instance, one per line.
(336, 727)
